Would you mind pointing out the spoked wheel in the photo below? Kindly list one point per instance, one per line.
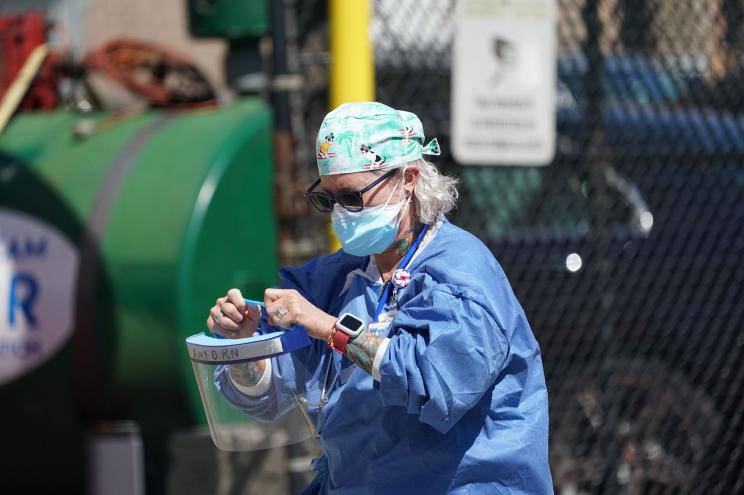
(637, 428)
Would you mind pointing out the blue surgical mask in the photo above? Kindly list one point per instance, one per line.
(369, 231)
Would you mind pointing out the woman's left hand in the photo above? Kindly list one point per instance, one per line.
(286, 307)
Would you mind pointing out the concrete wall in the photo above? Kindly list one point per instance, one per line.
(163, 21)
(85, 24)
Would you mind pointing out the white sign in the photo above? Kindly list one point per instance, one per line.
(504, 79)
(38, 270)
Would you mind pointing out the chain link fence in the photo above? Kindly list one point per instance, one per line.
(626, 251)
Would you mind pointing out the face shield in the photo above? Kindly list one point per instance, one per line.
(258, 392)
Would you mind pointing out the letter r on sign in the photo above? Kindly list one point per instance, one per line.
(23, 292)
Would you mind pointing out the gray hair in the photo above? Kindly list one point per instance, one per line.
(434, 192)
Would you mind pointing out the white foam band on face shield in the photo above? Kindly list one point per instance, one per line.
(210, 350)
(259, 388)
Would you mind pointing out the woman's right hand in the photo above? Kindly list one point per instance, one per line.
(231, 317)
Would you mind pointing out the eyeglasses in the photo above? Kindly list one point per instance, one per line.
(351, 200)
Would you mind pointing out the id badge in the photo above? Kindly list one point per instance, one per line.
(379, 328)
(382, 325)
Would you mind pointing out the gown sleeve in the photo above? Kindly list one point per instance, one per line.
(275, 402)
(446, 350)
(317, 281)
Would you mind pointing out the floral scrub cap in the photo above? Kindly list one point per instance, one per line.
(364, 136)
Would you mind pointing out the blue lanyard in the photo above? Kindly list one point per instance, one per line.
(380, 305)
(385, 295)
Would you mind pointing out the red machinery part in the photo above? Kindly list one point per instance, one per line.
(19, 35)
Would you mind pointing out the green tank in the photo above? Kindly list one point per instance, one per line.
(117, 235)
(228, 18)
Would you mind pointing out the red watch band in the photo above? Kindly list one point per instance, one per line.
(340, 339)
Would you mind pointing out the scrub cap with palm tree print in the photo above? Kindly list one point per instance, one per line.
(364, 136)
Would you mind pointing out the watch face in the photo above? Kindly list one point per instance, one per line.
(351, 323)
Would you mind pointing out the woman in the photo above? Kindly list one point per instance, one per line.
(442, 387)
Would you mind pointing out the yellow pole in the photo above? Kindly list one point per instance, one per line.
(352, 76)
(352, 65)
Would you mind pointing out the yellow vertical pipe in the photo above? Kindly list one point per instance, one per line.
(352, 74)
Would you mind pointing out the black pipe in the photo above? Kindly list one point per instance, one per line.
(733, 12)
(279, 97)
(595, 159)
(636, 31)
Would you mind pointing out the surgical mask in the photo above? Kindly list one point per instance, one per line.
(369, 231)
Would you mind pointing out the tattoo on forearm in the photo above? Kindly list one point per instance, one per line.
(362, 349)
(248, 374)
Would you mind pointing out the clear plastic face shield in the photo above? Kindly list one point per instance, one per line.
(261, 392)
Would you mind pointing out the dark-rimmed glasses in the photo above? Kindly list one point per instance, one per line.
(351, 200)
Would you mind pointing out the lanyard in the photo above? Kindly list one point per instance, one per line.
(385, 294)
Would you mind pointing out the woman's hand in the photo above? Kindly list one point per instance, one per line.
(231, 317)
(286, 307)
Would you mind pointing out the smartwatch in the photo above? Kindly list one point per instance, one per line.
(350, 325)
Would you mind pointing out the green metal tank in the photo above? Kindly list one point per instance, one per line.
(228, 18)
(114, 247)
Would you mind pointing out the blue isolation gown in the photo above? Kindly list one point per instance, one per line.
(461, 406)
